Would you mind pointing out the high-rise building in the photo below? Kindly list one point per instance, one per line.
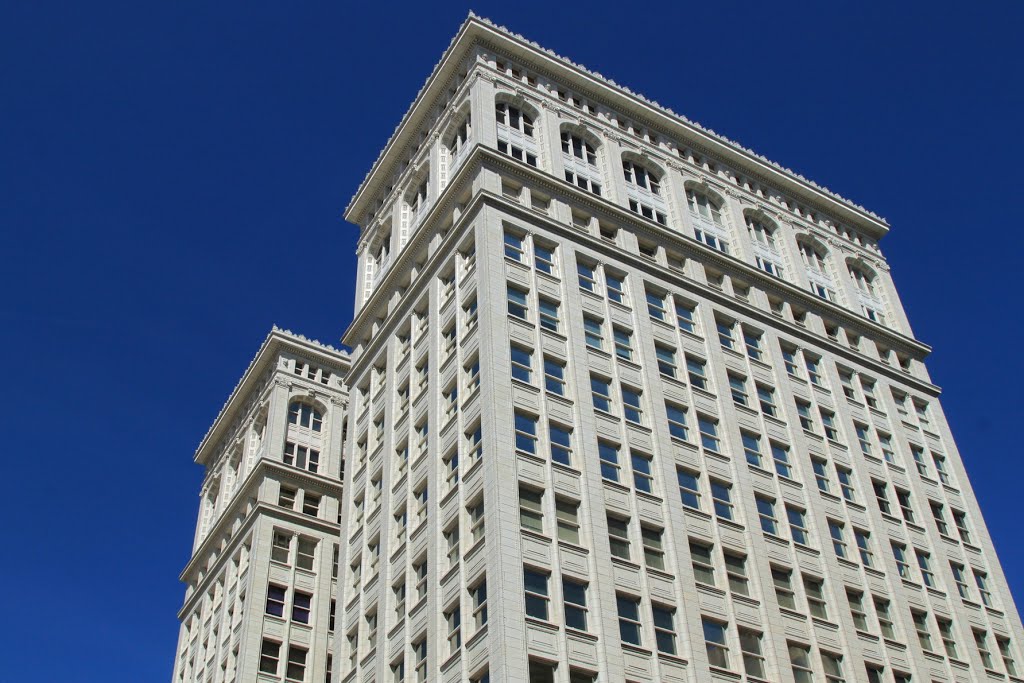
(632, 403)
(629, 403)
(262, 580)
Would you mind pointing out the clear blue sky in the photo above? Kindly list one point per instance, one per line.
(172, 177)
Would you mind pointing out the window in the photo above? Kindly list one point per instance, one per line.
(302, 457)
(981, 581)
(780, 454)
(881, 497)
(715, 642)
(924, 636)
(766, 513)
(695, 369)
(554, 376)
(752, 448)
(738, 388)
(310, 504)
(536, 586)
(863, 539)
(453, 620)
(608, 454)
(736, 573)
(820, 468)
(803, 410)
(631, 405)
(815, 591)
(709, 226)
(593, 333)
(726, 334)
(813, 372)
(750, 648)
(835, 530)
(960, 521)
(478, 594)
(703, 565)
(800, 660)
(918, 454)
(618, 537)
(548, 314)
(305, 416)
(721, 496)
(981, 639)
(419, 650)
(629, 619)
(517, 305)
(1006, 652)
(899, 553)
(782, 579)
(561, 444)
(568, 520)
(296, 668)
(946, 634)
(666, 356)
(304, 554)
(937, 515)
(885, 442)
(924, 562)
(642, 477)
(544, 256)
(526, 433)
(828, 423)
(275, 600)
(587, 276)
(860, 617)
(270, 656)
(884, 618)
(686, 316)
(845, 477)
(752, 341)
(833, 666)
(689, 489)
(601, 393)
(903, 498)
(580, 159)
(515, 247)
(797, 525)
(657, 307)
(677, 422)
(574, 597)
(286, 497)
(522, 363)
(531, 512)
(846, 381)
(452, 543)
(616, 286)
(789, 360)
(766, 397)
(960, 579)
(940, 469)
(708, 428)
(654, 548)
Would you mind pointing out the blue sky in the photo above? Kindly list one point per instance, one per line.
(172, 177)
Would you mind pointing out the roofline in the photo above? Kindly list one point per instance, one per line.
(277, 339)
(476, 28)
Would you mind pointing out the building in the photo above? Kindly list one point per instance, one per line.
(261, 583)
(632, 403)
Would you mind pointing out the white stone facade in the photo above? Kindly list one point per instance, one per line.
(261, 584)
(654, 393)
(629, 403)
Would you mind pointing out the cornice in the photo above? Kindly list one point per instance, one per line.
(476, 30)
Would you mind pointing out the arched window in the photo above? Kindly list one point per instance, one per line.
(579, 156)
(515, 133)
(644, 190)
(708, 223)
(815, 260)
(867, 292)
(305, 415)
(766, 251)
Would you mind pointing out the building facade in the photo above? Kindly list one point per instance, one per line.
(632, 403)
(262, 580)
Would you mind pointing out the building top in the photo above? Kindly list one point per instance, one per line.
(477, 30)
(276, 341)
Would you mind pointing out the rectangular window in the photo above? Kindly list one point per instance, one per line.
(800, 660)
(939, 517)
(726, 335)
(568, 519)
(656, 306)
(301, 606)
(526, 433)
(899, 553)
(981, 639)
(981, 581)
(304, 554)
(601, 393)
(835, 530)
(548, 314)
(860, 617)
(623, 340)
(828, 423)
(752, 341)
(515, 248)
(618, 537)
(631, 406)
(863, 539)
(522, 363)
(587, 277)
(708, 428)
(885, 624)
(531, 511)
(750, 647)
(574, 597)
(924, 636)
(813, 371)
(738, 388)
(643, 479)
(517, 305)
(616, 285)
(453, 622)
(593, 333)
(960, 521)
(789, 360)
(296, 668)
(561, 444)
(536, 587)
(924, 563)
(666, 360)
(686, 316)
(677, 422)
(275, 600)
(766, 398)
(820, 468)
(736, 573)
(608, 454)
(629, 619)
(554, 376)
(721, 496)
(695, 369)
(845, 477)
(270, 657)
(833, 666)
(703, 565)
(752, 448)
(782, 579)
(664, 628)
(903, 498)
(766, 513)
(960, 579)
(544, 258)
(797, 525)
(803, 410)
(689, 488)
(815, 591)
(780, 454)
(478, 594)
(946, 634)
(1006, 652)
(715, 642)
(654, 547)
